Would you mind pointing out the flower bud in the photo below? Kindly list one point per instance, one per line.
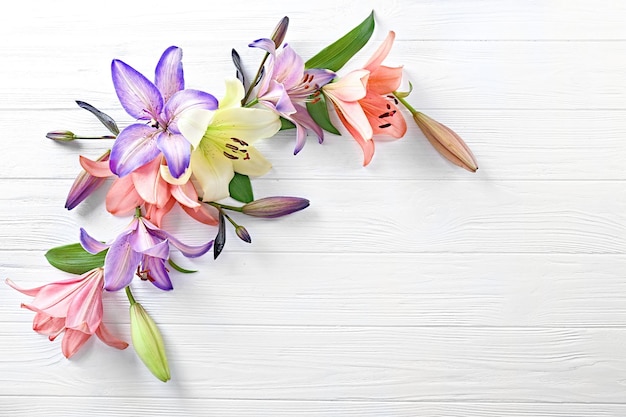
(278, 36)
(61, 135)
(148, 342)
(446, 142)
(243, 234)
(271, 207)
(84, 185)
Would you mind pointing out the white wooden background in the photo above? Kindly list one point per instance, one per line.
(407, 288)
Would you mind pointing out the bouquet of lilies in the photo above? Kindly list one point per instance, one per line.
(188, 149)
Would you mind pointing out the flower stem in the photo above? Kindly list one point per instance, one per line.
(138, 212)
(225, 207)
(129, 294)
(405, 103)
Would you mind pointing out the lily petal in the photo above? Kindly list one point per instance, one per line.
(134, 147)
(212, 171)
(86, 310)
(383, 115)
(158, 273)
(381, 53)
(90, 244)
(384, 80)
(149, 184)
(138, 95)
(105, 335)
(265, 44)
(351, 87)
(193, 123)
(185, 194)
(120, 264)
(233, 95)
(73, 340)
(186, 100)
(169, 72)
(255, 165)
(367, 145)
(248, 124)
(122, 197)
(99, 168)
(204, 214)
(176, 150)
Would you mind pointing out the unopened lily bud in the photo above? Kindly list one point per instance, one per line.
(84, 185)
(243, 234)
(61, 135)
(148, 342)
(446, 142)
(270, 207)
(278, 36)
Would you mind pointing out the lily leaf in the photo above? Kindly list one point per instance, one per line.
(240, 188)
(337, 54)
(319, 113)
(74, 259)
(180, 268)
(104, 118)
(286, 124)
(220, 238)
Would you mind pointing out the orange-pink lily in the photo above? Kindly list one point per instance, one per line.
(365, 103)
(148, 186)
(73, 307)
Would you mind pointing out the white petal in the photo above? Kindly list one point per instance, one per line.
(193, 124)
(234, 94)
(213, 172)
(244, 123)
(255, 166)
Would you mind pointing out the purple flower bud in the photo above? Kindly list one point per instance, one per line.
(278, 36)
(61, 135)
(271, 207)
(243, 234)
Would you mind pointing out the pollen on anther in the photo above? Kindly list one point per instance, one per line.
(385, 125)
(229, 156)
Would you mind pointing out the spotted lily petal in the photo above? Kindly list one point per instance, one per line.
(138, 95)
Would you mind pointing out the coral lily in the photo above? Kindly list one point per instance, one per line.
(226, 146)
(365, 103)
(161, 103)
(141, 249)
(73, 307)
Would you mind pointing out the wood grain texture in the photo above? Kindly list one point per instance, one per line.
(407, 288)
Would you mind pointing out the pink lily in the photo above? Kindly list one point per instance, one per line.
(365, 103)
(287, 86)
(148, 186)
(73, 306)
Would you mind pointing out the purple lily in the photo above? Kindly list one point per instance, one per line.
(141, 249)
(161, 103)
(287, 86)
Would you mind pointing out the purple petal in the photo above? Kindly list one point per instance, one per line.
(320, 77)
(169, 72)
(177, 152)
(160, 250)
(158, 274)
(83, 186)
(134, 147)
(90, 244)
(288, 68)
(120, 264)
(187, 100)
(188, 250)
(138, 95)
(265, 44)
(302, 120)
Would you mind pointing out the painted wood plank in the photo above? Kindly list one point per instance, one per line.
(324, 19)
(331, 289)
(445, 74)
(333, 363)
(509, 145)
(41, 406)
(354, 217)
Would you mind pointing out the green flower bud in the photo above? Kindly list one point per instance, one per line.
(148, 342)
(61, 135)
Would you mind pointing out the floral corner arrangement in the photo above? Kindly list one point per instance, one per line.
(186, 148)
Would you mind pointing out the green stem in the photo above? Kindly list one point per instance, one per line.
(405, 103)
(252, 103)
(254, 80)
(95, 137)
(129, 294)
(138, 212)
(225, 206)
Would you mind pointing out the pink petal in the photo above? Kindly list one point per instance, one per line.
(185, 194)
(385, 80)
(103, 333)
(122, 197)
(384, 116)
(99, 168)
(48, 325)
(381, 53)
(155, 214)
(366, 145)
(86, 310)
(73, 340)
(149, 184)
(204, 214)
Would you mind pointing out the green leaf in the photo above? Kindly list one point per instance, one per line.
(286, 124)
(74, 259)
(180, 268)
(337, 54)
(319, 113)
(240, 188)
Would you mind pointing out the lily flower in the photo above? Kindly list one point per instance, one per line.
(141, 249)
(226, 146)
(85, 184)
(73, 307)
(161, 103)
(148, 188)
(287, 86)
(365, 103)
